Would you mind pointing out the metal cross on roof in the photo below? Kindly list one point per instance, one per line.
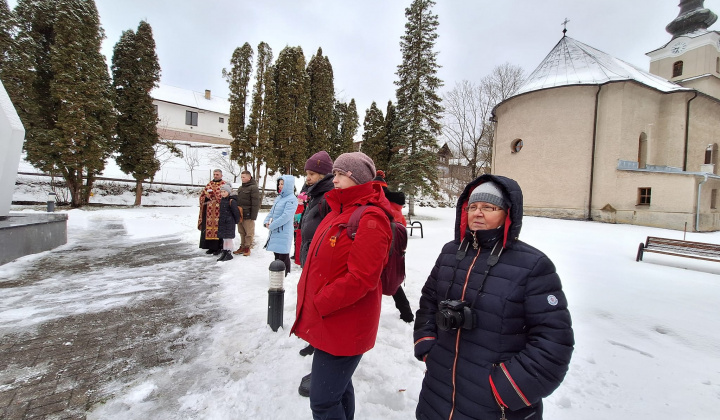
(564, 24)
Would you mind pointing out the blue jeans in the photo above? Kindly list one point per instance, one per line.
(332, 396)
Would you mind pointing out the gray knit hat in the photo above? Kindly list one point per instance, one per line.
(320, 162)
(226, 187)
(360, 165)
(489, 192)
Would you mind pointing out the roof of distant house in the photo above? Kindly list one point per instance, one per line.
(190, 98)
(573, 63)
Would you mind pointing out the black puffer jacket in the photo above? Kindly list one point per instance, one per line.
(520, 348)
(229, 217)
(315, 211)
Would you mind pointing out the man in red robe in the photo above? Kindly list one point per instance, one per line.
(210, 214)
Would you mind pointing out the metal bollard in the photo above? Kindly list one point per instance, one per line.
(276, 295)
(51, 202)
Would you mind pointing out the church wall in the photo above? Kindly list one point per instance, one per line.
(704, 130)
(696, 62)
(673, 204)
(709, 85)
(552, 168)
(626, 111)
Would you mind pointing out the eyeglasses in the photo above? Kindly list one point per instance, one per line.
(485, 208)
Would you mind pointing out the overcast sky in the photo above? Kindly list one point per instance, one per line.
(195, 39)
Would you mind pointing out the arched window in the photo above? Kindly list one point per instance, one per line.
(516, 145)
(642, 151)
(717, 65)
(711, 156)
(677, 69)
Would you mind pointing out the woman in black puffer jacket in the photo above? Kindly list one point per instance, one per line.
(504, 338)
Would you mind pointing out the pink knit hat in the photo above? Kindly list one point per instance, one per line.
(320, 162)
(361, 167)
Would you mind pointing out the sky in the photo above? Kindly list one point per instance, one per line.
(646, 342)
(195, 39)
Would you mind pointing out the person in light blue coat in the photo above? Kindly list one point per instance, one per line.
(279, 221)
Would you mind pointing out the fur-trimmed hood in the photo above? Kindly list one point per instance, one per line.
(512, 192)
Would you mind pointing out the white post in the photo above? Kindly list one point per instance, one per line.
(12, 135)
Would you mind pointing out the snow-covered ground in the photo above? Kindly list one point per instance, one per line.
(647, 345)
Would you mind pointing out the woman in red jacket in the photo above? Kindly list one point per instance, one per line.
(339, 293)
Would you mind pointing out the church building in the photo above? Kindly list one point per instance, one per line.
(591, 137)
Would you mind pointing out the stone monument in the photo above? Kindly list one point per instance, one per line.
(21, 233)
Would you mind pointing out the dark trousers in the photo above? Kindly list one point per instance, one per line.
(284, 258)
(332, 396)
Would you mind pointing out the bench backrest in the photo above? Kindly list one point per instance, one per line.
(683, 247)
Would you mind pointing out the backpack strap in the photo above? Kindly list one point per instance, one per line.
(352, 225)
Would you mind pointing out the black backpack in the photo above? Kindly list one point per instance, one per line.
(393, 273)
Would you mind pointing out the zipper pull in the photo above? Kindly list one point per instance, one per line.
(502, 413)
(333, 239)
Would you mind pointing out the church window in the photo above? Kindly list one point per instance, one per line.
(642, 151)
(677, 69)
(644, 196)
(709, 154)
(713, 198)
(516, 145)
(717, 64)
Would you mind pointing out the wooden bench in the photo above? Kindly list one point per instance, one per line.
(412, 225)
(678, 248)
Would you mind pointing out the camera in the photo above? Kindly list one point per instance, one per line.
(454, 314)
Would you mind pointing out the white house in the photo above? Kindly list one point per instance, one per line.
(188, 116)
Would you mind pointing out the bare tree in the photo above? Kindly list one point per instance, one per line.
(165, 151)
(468, 111)
(223, 161)
(192, 161)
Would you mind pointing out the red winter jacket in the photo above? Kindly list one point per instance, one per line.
(339, 292)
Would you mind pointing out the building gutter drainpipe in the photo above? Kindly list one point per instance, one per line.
(697, 210)
(687, 131)
(592, 158)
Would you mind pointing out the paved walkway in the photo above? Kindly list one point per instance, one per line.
(61, 367)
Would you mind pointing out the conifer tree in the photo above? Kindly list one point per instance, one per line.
(393, 144)
(239, 78)
(65, 102)
(346, 126)
(136, 72)
(291, 96)
(418, 103)
(6, 26)
(258, 128)
(373, 137)
(322, 100)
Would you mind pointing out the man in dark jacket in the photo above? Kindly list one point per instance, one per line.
(493, 326)
(249, 200)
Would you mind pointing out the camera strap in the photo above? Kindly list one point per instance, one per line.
(491, 261)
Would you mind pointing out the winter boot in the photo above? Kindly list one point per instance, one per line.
(210, 251)
(239, 250)
(246, 251)
(307, 351)
(226, 256)
(217, 252)
(304, 388)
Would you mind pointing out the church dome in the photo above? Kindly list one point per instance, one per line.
(573, 63)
